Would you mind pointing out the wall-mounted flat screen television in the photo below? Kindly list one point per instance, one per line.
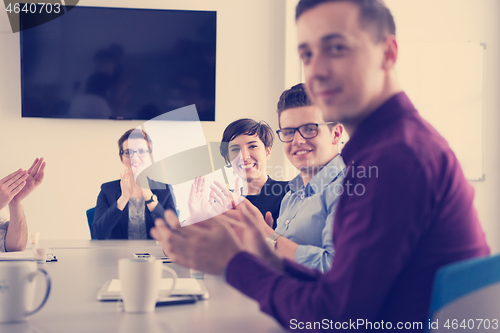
(118, 63)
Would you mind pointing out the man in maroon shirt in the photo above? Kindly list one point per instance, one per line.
(406, 209)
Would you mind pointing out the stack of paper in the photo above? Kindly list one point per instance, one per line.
(111, 290)
(18, 255)
(183, 286)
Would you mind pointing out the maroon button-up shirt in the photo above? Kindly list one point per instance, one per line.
(406, 211)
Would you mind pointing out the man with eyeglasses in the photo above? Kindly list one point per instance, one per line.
(305, 224)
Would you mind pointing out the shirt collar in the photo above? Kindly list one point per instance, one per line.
(296, 184)
(322, 179)
(391, 110)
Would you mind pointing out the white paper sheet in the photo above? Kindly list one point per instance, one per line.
(184, 286)
(17, 255)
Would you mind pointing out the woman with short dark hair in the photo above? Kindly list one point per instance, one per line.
(246, 146)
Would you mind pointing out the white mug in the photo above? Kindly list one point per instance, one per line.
(34, 238)
(17, 289)
(40, 254)
(140, 283)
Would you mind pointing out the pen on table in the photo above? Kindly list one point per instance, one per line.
(165, 259)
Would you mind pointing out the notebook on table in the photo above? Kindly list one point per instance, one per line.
(23, 256)
(184, 288)
(17, 255)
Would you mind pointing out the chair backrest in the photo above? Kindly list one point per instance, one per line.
(466, 295)
(90, 220)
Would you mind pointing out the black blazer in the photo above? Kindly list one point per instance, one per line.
(112, 223)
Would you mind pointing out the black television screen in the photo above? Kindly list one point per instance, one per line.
(118, 63)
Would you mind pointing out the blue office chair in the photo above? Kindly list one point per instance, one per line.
(466, 295)
(90, 220)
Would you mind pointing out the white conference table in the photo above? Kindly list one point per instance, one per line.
(83, 267)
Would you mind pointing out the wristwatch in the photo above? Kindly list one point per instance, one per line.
(272, 239)
(153, 199)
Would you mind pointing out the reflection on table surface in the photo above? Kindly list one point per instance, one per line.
(85, 265)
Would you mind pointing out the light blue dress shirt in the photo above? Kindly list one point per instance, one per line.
(306, 215)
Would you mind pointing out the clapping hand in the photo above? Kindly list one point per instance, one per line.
(126, 182)
(223, 198)
(219, 195)
(210, 245)
(199, 204)
(34, 177)
(11, 185)
(207, 246)
(250, 227)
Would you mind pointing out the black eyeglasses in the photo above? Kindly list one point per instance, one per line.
(129, 153)
(307, 131)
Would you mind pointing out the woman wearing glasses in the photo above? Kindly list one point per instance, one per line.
(124, 209)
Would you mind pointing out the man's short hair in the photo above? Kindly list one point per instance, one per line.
(374, 15)
(295, 97)
(248, 127)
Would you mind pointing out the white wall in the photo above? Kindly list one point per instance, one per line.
(82, 154)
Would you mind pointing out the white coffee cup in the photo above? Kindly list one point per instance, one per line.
(140, 283)
(40, 254)
(17, 289)
(34, 237)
